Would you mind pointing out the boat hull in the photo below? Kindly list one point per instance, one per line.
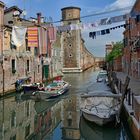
(101, 107)
(48, 95)
(97, 120)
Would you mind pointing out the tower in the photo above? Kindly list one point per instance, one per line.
(71, 40)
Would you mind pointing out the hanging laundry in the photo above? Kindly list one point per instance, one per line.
(42, 40)
(92, 35)
(74, 27)
(98, 33)
(18, 35)
(107, 31)
(118, 18)
(52, 33)
(32, 36)
(63, 28)
(103, 21)
(102, 32)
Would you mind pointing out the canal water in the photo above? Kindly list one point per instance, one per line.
(57, 119)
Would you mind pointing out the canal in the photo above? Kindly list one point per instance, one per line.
(57, 119)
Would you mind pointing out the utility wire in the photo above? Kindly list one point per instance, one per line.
(96, 14)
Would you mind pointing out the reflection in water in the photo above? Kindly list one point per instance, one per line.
(54, 119)
(70, 118)
(96, 132)
(18, 119)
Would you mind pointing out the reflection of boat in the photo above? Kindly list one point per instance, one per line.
(100, 107)
(53, 90)
(94, 132)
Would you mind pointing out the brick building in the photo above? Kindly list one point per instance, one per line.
(131, 57)
(75, 54)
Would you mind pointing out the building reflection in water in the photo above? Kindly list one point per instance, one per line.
(27, 119)
(18, 119)
(47, 118)
(70, 118)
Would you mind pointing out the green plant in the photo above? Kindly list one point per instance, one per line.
(129, 119)
(116, 51)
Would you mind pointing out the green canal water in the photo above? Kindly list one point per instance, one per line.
(59, 119)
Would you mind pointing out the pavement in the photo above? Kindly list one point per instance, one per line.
(134, 83)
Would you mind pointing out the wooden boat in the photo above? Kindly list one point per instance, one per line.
(53, 90)
(100, 107)
(30, 88)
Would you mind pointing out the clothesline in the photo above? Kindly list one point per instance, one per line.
(104, 31)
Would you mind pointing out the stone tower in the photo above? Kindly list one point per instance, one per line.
(71, 40)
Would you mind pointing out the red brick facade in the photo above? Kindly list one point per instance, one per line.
(131, 56)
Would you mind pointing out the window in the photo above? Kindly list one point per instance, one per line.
(28, 65)
(26, 41)
(36, 51)
(13, 66)
(38, 68)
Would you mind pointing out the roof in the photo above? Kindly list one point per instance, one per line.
(71, 7)
(12, 8)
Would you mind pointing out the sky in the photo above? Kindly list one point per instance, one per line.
(51, 9)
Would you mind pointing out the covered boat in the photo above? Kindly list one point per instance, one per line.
(101, 107)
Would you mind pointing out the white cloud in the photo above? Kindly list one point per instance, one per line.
(120, 4)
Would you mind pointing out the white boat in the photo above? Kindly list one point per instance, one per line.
(100, 107)
(52, 90)
(102, 76)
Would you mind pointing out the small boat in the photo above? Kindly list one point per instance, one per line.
(20, 82)
(102, 76)
(101, 107)
(52, 90)
(30, 88)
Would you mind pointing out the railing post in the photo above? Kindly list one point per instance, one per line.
(120, 86)
(129, 96)
(132, 100)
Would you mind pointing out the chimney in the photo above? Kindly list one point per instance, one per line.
(39, 18)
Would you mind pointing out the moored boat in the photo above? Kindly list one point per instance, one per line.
(100, 107)
(52, 90)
